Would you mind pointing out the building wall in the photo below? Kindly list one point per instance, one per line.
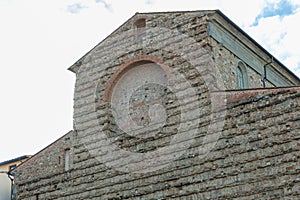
(5, 187)
(256, 157)
(249, 150)
(5, 182)
(228, 63)
(8, 165)
(226, 35)
(46, 164)
(226, 43)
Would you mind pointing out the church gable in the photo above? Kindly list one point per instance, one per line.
(192, 24)
(229, 46)
(166, 108)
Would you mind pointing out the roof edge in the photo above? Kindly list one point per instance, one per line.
(257, 44)
(74, 68)
(15, 160)
(45, 148)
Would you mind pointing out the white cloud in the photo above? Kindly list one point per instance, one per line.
(279, 8)
(279, 35)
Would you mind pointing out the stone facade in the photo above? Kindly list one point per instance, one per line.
(157, 115)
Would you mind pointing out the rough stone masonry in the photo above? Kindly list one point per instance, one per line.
(158, 115)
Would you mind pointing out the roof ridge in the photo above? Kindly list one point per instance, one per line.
(187, 11)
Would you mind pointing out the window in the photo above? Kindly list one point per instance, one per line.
(242, 76)
(67, 159)
(140, 25)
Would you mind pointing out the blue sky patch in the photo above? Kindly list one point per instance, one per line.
(106, 5)
(75, 8)
(149, 2)
(281, 9)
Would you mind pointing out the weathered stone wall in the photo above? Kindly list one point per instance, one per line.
(256, 157)
(37, 172)
(255, 154)
(228, 62)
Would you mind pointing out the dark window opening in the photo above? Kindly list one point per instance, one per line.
(140, 25)
(12, 167)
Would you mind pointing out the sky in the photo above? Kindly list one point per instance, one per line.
(40, 39)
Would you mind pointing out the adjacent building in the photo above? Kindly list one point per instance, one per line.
(6, 180)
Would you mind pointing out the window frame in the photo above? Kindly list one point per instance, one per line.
(242, 75)
(67, 156)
